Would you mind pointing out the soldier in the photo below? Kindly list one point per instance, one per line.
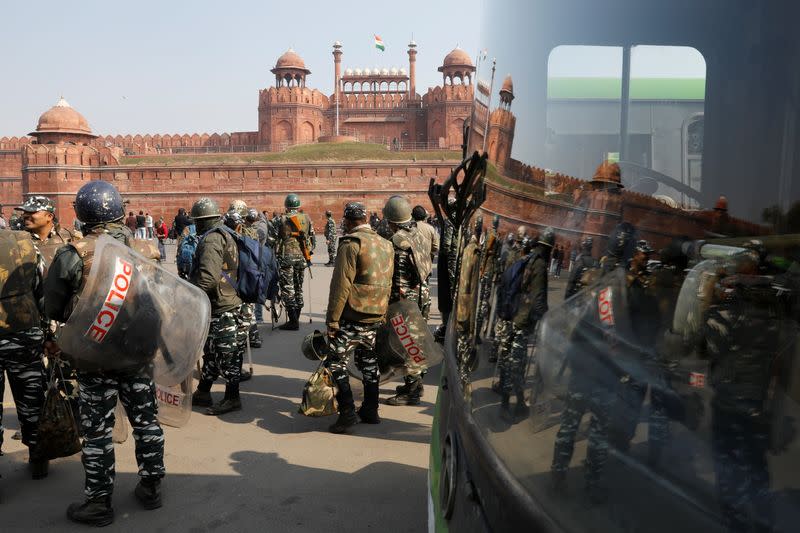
(489, 253)
(330, 238)
(359, 297)
(411, 265)
(432, 236)
(449, 244)
(39, 219)
(238, 223)
(743, 337)
(259, 223)
(584, 262)
(217, 261)
(274, 228)
(296, 243)
(524, 313)
(593, 381)
(22, 330)
(511, 252)
(99, 206)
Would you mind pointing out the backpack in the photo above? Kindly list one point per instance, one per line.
(257, 275)
(187, 249)
(510, 291)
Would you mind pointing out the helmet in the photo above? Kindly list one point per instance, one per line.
(521, 232)
(587, 244)
(292, 201)
(547, 237)
(328, 213)
(315, 346)
(644, 247)
(204, 208)
(355, 211)
(239, 206)
(527, 244)
(98, 201)
(397, 210)
(252, 215)
(232, 219)
(419, 213)
(621, 242)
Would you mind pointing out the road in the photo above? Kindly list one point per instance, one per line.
(264, 468)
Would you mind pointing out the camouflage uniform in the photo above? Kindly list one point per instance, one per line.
(291, 263)
(223, 353)
(432, 236)
(331, 238)
(532, 306)
(467, 301)
(249, 327)
(357, 305)
(21, 334)
(99, 390)
(487, 272)
(743, 337)
(502, 329)
(583, 263)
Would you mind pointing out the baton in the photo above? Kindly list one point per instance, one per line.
(308, 287)
(249, 354)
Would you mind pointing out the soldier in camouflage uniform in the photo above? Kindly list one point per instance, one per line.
(502, 329)
(359, 297)
(531, 307)
(296, 242)
(259, 224)
(489, 252)
(593, 382)
(432, 237)
(584, 262)
(743, 337)
(39, 218)
(330, 238)
(99, 206)
(22, 336)
(449, 247)
(236, 219)
(225, 346)
(411, 265)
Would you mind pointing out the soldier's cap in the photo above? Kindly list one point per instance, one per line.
(355, 211)
(644, 247)
(37, 203)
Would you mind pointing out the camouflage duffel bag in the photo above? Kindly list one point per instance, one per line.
(319, 394)
(58, 433)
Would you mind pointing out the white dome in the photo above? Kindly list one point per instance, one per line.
(385, 72)
(403, 72)
(348, 72)
(367, 72)
(394, 71)
(357, 72)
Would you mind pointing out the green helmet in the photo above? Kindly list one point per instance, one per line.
(239, 206)
(397, 210)
(204, 208)
(292, 201)
(315, 346)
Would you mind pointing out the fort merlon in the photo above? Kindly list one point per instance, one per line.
(373, 137)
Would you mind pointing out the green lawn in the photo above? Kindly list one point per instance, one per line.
(317, 152)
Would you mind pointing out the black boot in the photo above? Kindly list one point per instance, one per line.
(410, 396)
(148, 492)
(291, 323)
(230, 403)
(96, 512)
(368, 412)
(347, 408)
(255, 337)
(202, 396)
(39, 468)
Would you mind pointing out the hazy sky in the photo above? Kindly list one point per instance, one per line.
(179, 66)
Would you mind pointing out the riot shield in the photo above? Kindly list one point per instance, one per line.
(126, 317)
(175, 402)
(406, 341)
(693, 300)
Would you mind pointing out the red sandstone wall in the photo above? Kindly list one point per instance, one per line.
(10, 180)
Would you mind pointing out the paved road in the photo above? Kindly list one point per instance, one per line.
(265, 468)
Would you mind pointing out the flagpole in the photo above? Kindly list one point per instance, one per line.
(489, 105)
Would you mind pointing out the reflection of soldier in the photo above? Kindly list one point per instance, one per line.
(411, 265)
(431, 235)
(743, 334)
(99, 206)
(21, 337)
(530, 307)
(330, 237)
(359, 296)
(296, 242)
(592, 382)
(502, 329)
(467, 300)
(489, 252)
(449, 244)
(217, 261)
(584, 263)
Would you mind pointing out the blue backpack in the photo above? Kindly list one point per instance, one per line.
(187, 249)
(510, 291)
(257, 275)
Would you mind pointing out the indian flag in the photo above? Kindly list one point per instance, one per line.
(379, 44)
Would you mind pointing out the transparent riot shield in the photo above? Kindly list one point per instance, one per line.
(406, 340)
(126, 316)
(693, 300)
(175, 402)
